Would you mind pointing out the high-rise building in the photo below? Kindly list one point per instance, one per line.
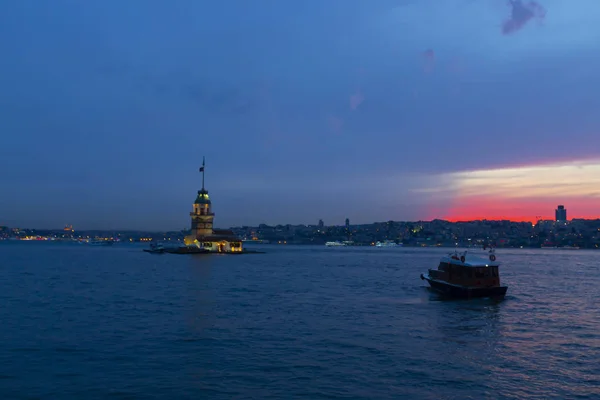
(321, 224)
(348, 233)
(561, 214)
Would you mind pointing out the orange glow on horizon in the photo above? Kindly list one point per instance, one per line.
(520, 194)
(526, 210)
(494, 218)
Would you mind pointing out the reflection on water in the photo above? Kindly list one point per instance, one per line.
(200, 292)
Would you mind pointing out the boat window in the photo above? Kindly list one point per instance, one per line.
(462, 272)
(494, 272)
(478, 273)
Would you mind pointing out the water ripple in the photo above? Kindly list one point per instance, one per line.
(297, 322)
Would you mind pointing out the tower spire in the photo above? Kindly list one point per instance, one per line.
(202, 170)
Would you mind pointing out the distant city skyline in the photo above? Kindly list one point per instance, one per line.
(372, 111)
(560, 215)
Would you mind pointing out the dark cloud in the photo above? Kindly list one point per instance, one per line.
(521, 14)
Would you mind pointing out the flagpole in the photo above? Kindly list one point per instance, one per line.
(203, 168)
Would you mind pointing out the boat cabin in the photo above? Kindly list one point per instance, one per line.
(468, 271)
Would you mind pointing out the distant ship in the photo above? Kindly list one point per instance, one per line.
(560, 247)
(338, 243)
(158, 248)
(256, 241)
(387, 243)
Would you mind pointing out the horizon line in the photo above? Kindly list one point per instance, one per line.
(452, 221)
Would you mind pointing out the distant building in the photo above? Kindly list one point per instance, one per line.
(203, 234)
(321, 224)
(348, 233)
(561, 214)
(68, 231)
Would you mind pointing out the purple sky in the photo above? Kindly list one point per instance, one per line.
(304, 110)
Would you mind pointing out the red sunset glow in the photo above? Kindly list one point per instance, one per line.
(525, 193)
(526, 210)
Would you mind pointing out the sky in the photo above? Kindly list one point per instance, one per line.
(367, 110)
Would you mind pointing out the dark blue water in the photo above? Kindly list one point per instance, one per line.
(297, 322)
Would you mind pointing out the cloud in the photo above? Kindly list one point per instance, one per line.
(521, 14)
(356, 99)
(516, 193)
(545, 181)
(519, 193)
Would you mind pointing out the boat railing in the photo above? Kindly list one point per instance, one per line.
(466, 256)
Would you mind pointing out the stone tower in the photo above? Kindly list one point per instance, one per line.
(202, 215)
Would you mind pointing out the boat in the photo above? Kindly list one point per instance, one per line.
(256, 241)
(560, 247)
(386, 243)
(569, 247)
(157, 248)
(333, 244)
(465, 276)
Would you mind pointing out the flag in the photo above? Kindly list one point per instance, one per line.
(202, 168)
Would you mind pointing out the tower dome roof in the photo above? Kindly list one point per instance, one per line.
(202, 197)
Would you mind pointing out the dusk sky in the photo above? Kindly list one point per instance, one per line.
(372, 110)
